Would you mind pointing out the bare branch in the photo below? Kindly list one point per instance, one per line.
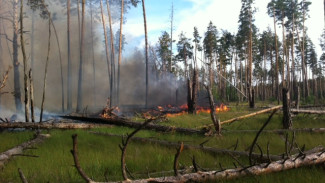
(74, 153)
(258, 134)
(22, 176)
(178, 153)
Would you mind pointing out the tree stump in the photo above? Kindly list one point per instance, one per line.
(287, 121)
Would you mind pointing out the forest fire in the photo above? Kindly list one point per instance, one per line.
(171, 111)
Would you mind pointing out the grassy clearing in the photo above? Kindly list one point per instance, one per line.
(100, 155)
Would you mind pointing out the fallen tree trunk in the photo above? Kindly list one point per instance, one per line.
(280, 131)
(43, 125)
(307, 111)
(250, 115)
(18, 150)
(125, 122)
(277, 166)
(211, 150)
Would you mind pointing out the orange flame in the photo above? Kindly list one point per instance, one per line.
(221, 108)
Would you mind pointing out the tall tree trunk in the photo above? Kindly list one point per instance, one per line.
(120, 54)
(16, 64)
(32, 54)
(22, 42)
(69, 83)
(112, 79)
(171, 38)
(250, 60)
(277, 91)
(1, 54)
(147, 57)
(284, 81)
(32, 104)
(265, 73)
(303, 62)
(106, 41)
(93, 53)
(46, 67)
(80, 79)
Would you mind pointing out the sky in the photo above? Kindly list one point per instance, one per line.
(189, 13)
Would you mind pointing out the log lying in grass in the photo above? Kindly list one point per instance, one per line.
(277, 166)
(203, 148)
(125, 122)
(48, 125)
(5, 156)
(252, 114)
(307, 111)
(280, 131)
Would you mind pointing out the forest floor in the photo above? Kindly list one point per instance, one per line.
(100, 155)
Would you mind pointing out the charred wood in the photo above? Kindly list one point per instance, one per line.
(125, 122)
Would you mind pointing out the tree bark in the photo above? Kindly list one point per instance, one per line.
(147, 47)
(214, 118)
(31, 95)
(112, 54)
(277, 166)
(277, 91)
(287, 121)
(123, 122)
(16, 64)
(307, 111)
(46, 67)
(80, 79)
(93, 53)
(106, 41)
(22, 41)
(250, 115)
(69, 83)
(120, 54)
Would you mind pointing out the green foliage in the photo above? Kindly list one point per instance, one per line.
(210, 40)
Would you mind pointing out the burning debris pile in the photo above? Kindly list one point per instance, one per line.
(166, 110)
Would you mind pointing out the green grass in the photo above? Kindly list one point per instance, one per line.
(100, 155)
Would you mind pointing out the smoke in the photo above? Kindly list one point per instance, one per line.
(162, 89)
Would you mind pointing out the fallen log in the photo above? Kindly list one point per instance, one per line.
(51, 125)
(296, 111)
(5, 156)
(277, 166)
(280, 131)
(211, 150)
(250, 115)
(125, 122)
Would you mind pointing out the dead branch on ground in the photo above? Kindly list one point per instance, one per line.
(257, 135)
(74, 153)
(47, 125)
(5, 156)
(124, 145)
(178, 153)
(125, 122)
(277, 166)
(211, 150)
(252, 114)
(22, 176)
(296, 111)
